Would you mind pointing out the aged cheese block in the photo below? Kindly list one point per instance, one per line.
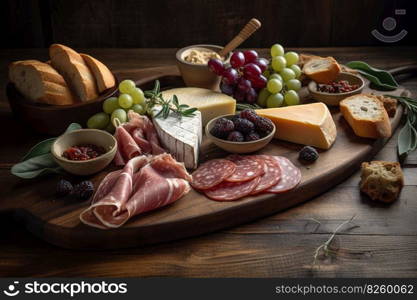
(181, 136)
(211, 104)
(307, 124)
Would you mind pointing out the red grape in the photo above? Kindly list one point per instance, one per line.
(259, 82)
(250, 55)
(251, 96)
(244, 84)
(239, 95)
(230, 76)
(262, 63)
(251, 71)
(237, 60)
(216, 66)
(227, 89)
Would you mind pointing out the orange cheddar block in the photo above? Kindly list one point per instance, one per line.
(307, 124)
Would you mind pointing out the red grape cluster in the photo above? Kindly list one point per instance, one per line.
(243, 78)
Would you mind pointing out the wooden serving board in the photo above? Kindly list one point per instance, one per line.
(57, 220)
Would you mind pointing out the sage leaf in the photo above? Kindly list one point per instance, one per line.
(36, 166)
(380, 78)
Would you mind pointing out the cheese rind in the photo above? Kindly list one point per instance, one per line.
(211, 104)
(181, 136)
(307, 124)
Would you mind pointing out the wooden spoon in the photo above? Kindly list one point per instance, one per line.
(244, 34)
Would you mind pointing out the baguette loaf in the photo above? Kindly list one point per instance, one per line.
(366, 115)
(382, 180)
(40, 82)
(72, 67)
(321, 69)
(104, 78)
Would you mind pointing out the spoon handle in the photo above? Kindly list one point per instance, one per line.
(246, 32)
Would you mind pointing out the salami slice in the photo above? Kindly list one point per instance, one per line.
(247, 168)
(228, 191)
(290, 177)
(271, 176)
(212, 173)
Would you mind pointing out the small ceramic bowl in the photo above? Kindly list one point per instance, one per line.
(84, 136)
(333, 99)
(198, 75)
(237, 147)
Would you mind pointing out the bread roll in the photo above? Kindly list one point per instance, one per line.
(104, 78)
(40, 82)
(321, 69)
(72, 67)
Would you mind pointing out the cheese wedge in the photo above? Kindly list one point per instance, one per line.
(211, 104)
(307, 124)
(181, 137)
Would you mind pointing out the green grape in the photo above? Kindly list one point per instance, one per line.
(291, 57)
(110, 104)
(110, 128)
(293, 84)
(138, 96)
(119, 114)
(277, 50)
(125, 101)
(291, 98)
(127, 86)
(266, 73)
(262, 96)
(278, 63)
(287, 74)
(296, 70)
(138, 109)
(274, 100)
(274, 86)
(275, 76)
(98, 121)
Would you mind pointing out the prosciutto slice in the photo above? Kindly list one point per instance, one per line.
(127, 148)
(144, 184)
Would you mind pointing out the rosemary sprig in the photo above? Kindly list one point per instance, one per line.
(407, 139)
(154, 98)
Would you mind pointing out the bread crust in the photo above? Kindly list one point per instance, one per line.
(326, 75)
(379, 127)
(72, 67)
(103, 77)
(48, 82)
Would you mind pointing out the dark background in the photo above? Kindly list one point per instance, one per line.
(176, 23)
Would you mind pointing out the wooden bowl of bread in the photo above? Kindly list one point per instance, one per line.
(68, 88)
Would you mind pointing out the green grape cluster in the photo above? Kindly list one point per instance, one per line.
(283, 83)
(130, 98)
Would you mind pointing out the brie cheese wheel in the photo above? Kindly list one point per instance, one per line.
(180, 136)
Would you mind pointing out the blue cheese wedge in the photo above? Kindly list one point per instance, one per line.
(181, 136)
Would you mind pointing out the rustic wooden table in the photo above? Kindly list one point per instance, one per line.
(383, 244)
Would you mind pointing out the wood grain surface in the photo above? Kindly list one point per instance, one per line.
(384, 244)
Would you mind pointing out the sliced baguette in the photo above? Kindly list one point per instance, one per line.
(366, 115)
(72, 67)
(321, 69)
(40, 82)
(104, 78)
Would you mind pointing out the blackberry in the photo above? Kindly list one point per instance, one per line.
(222, 128)
(235, 136)
(252, 136)
(63, 188)
(249, 114)
(243, 125)
(84, 190)
(308, 153)
(264, 125)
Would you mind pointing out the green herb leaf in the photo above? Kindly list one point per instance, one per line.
(36, 166)
(380, 78)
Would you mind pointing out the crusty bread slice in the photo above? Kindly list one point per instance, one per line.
(104, 78)
(366, 115)
(72, 67)
(321, 69)
(390, 105)
(382, 180)
(40, 82)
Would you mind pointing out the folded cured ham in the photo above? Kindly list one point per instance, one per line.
(145, 183)
(136, 137)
